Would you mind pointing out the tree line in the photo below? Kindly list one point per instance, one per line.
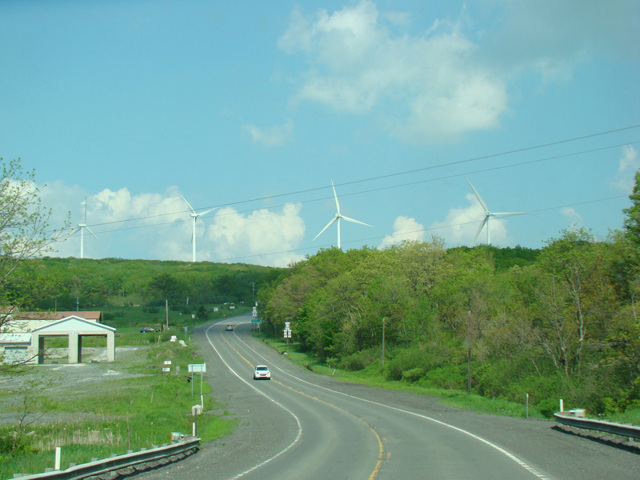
(558, 322)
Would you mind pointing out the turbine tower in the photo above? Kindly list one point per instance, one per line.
(488, 214)
(338, 216)
(194, 216)
(82, 227)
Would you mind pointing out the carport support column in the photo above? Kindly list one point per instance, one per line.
(74, 348)
(111, 347)
(38, 347)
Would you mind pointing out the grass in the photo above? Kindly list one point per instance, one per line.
(374, 377)
(112, 416)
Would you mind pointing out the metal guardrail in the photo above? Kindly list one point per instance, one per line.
(629, 431)
(129, 461)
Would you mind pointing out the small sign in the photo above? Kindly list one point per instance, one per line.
(166, 369)
(167, 362)
(197, 368)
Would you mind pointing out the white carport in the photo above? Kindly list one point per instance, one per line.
(74, 328)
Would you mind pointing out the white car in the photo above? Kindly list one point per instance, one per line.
(261, 372)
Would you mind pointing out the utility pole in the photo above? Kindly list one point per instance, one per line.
(469, 351)
(383, 322)
(166, 312)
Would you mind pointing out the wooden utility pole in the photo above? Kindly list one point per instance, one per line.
(383, 322)
(166, 313)
(469, 351)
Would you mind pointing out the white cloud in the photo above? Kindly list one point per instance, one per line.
(159, 226)
(461, 224)
(431, 81)
(271, 136)
(447, 80)
(145, 225)
(572, 216)
(404, 229)
(262, 237)
(628, 165)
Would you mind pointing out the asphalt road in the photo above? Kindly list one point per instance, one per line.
(303, 426)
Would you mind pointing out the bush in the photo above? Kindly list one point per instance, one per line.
(360, 360)
(413, 375)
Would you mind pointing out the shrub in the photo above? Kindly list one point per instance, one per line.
(412, 375)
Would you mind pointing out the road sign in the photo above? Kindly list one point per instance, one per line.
(197, 368)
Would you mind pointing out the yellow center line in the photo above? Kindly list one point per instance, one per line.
(381, 455)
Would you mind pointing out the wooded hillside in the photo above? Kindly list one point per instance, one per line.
(67, 283)
(559, 322)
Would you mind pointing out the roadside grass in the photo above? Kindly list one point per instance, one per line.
(112, 415)
(373, 376)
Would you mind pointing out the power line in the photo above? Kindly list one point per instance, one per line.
(529, 162)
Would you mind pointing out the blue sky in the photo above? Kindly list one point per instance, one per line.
(256, 107)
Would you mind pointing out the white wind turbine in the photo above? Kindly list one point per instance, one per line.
(82, 227)
(339, 217)
(488, 215)
(195, 216)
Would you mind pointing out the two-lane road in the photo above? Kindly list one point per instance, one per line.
(303, 426)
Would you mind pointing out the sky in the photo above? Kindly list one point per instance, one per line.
(254, 108)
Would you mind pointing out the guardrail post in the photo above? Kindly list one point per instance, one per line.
(57, 459)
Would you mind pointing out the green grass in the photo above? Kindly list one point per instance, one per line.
(373, 376)
(117, 415)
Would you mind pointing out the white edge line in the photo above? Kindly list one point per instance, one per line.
(298, 435)
(522, 463)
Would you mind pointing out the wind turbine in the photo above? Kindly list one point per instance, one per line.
(339, 217)
(488, 215)
(82, 227)
(195, 216)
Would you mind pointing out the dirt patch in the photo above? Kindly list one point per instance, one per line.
(56, 380)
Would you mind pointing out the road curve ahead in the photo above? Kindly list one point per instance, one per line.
(303, 426)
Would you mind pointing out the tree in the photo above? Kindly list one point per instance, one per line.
(24, 227)
(632, 222)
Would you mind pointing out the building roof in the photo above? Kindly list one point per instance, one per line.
(91, 315)
(75, 323)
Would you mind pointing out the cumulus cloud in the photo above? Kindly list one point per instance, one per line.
(359, 64)
(159, 226)
(628, 165)
(461, 224)
(404, 229)
(274, 136)
(263, 237)
(440, 83)
(573, 218)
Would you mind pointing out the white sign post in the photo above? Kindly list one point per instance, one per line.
(195, 368)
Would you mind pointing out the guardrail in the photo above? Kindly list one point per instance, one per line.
(629, 431)
(128, 463)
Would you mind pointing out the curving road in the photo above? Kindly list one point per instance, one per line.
(304, 426)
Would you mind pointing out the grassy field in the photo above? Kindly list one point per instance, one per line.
(96, 410)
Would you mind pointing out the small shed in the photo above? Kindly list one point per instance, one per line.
(14, 347)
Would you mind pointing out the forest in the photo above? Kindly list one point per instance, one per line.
(66, 284)
(558, 322)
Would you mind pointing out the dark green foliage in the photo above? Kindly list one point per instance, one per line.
(561, 322)
(632, 222)
(70, 283)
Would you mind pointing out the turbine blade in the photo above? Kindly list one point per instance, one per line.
(91, 232)
(509, 214)
(335, 195)
(484, 220)
(327, 226)
(188, 204)
(205, 212)
(355, 221)
(484, 205)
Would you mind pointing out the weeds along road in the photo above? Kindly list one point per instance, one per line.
(304, 426)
